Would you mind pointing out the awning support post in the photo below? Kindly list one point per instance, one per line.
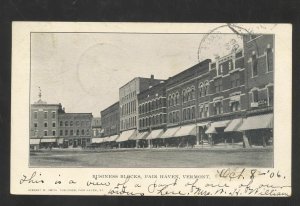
(197, 136)
(245, 140)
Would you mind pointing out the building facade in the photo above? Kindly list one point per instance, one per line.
(152, 116)
(75, 129)
(110, 120)
(96, 127)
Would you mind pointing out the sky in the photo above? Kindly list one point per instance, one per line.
(84, 71)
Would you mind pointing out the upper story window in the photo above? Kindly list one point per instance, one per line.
(53, 133)
(206, 111)
(45, 133)
(193, 93)
(218, 108)
(66, 123)
(254, 65)
(218, 85)
(235, 106)
(35, 115)
(220, 70)
(193, 113)
(45, 124)
(184, 114)
(269, 57)
(53, 115)
(35, 124)
(235, 79)
(45, 115)
(255, 96)
(201, 111)
(201, 90)
(206, 89)
(229, 65)
(71, 123)
(53, 124)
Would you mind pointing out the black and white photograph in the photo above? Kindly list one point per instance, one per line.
(151, 109)
(165, 100)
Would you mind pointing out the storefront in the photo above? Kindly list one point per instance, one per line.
(216, 133)
(169, 139)
(140, 139)
(258, 130)
(186, 135)
(34, 144)
(154, 138)
(125, 139)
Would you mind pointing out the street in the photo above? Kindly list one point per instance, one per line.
(151, 158)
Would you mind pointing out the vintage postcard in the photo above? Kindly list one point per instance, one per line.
(151, 109)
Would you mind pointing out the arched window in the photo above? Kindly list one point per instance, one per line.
(143, 123)
(183, 95)
(161, 118)
(193, 93)
(170, 117)
(82, 132)
(193, 112)
(77, 132)
(177, 97)
(157, 119)
(173, 99)
(200, 89)
(206, 88)
(188, 113)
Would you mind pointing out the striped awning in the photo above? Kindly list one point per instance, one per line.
(113, 138)
(155, 134)
(126, 135)
(186, 130)
(170, 132)
(34, 141)
(214, 125)
(140, 135)
(263, 121)
(47, 140)
(233, 125)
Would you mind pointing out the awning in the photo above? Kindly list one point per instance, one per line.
(126, 135)
(113, 138)
(35, 141)
(233, 125)
(258, 122)
(140, 135)
(170, 132)
(97, 140)
(155, 134)
(102, 131)
(47, 140)
(186, 130)
(214, 125)
(202, 124)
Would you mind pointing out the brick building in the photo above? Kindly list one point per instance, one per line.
(110, 120)
(75, 129)
(257, 127)
(129, 107)
(152, 116)
(187, 104)
(96, 127)
(44, 124)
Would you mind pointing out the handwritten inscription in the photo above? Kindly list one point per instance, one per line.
(233, 182)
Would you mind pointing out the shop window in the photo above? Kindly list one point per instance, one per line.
(35, 115)
(53, 133)
(45, 133)
(45, 124)
(269, 57)
(254, 65)
(270, 95)
(53, 114)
